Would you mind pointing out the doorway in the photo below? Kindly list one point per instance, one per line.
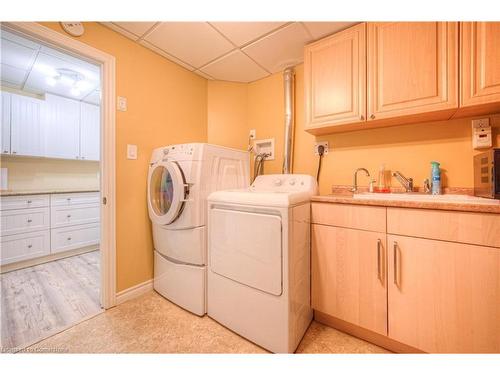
(58, 249)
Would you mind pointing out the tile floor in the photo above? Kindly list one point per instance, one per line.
(152, 324)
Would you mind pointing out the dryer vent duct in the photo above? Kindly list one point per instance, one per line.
(289, 86)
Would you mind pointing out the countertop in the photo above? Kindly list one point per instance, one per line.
(7, 193)
(449, 206)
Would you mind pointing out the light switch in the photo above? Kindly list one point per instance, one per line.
(121, 103)
(132, 152)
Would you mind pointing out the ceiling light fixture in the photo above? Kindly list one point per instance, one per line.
(75, 91)
(52, 81)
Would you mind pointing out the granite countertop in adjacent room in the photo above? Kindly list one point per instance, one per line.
(343, 196)
(7, 193)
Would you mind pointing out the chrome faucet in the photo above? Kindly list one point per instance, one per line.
(406, 182)
(355, 178)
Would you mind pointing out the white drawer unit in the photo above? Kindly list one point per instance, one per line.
(25, 220)
(17, 202)
(18, 247)
(74, 237)
(61, 216)
(74, 199)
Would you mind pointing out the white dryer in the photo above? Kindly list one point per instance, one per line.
(179, 181)
(259, 260)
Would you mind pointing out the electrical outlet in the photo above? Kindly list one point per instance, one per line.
(321, 143)
(252, 134)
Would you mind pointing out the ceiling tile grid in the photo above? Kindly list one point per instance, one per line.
(229, 51)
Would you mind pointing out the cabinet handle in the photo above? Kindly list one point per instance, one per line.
(14, 152)
(69, 238)
(77, 157)
(361, 117)
(68, 199)
(379, 270)
(5, 151)
(30, 202)
(30, 246)
(68, 216)
(372, 117)
(83, 157)
(29, 220)
(395, 260)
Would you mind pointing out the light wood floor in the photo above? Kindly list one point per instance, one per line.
(42, 300)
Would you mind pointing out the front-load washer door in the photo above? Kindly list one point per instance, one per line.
(247, 247)
(167, 192)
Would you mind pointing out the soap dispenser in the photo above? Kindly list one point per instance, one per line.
(435, 178)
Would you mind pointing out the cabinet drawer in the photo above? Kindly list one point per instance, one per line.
(74, 237)
(74, 198)
(465, 227)
(18, 247)
(28, 220)
(24, 201)
(74, 215)
(349, 216)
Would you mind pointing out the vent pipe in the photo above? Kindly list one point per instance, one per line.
(289, 86)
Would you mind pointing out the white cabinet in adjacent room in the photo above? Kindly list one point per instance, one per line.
(26, 130)
(5, 133)
(61, 124)
(90, 120)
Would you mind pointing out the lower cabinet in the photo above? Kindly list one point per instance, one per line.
(74, 237)
(349, 276)
(33, 226)
(444, 297)
(18, 247)
(414, 284)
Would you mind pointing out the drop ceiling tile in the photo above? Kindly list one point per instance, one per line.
(12, 75)
(17, 55)
(19, 39)
(280, 49)
(136, 28)
(195, 43)
(240, 33)
(164, 54)
(120, 30)
(321, 29)
(236, 67)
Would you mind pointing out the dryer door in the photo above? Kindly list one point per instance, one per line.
(167, 192)
(247, 247)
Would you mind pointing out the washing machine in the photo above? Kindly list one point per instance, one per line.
(259, 260)
(180, 179)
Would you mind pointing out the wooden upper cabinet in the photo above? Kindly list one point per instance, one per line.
(479, 67)
(335, 79)
(412, 70)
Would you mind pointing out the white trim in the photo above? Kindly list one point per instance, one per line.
(135, 291)
(108, 211)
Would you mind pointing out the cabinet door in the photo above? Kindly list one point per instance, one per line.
(61, 124)
(335, 78)
(90, 129)
(412, 69)
(5, 132)
(348, 276)
(26, 130)
(444, 297)
(480, 67)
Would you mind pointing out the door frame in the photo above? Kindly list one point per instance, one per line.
(107, 147)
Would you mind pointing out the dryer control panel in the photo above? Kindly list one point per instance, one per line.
(285, 183)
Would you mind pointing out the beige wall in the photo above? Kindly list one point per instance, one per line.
(166, 104)
(409, 148)
(25, 173)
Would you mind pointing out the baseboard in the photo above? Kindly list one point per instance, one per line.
(364, 334)
(134, 291)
